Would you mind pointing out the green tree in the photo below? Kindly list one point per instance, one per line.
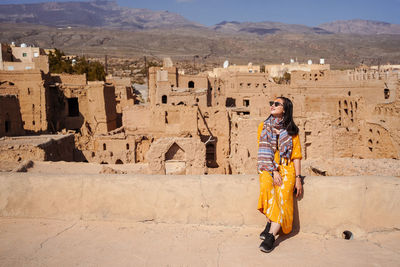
(96, 72)
(59, 64)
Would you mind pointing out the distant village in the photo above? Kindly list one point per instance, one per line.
(180, 123)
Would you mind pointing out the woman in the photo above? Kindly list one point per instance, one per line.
(279, 155)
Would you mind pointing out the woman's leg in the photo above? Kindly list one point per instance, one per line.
(275, 227)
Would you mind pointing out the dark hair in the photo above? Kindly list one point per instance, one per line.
(288, 122)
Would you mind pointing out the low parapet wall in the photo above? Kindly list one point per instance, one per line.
(330, 204)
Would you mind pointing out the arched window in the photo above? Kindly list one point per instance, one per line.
(104, 147)
(164, 99)
(191, 84)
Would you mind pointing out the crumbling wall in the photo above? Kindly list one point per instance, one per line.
(113, 150)
(177, 156)
(70, 79)
(161, 120)
(32, 96)
(101, 114)
(213, 126)
(37, 148)
(244, 148)
(10, 116)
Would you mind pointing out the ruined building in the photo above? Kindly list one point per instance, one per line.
(352, 113)
(34, 101)
(207, 123)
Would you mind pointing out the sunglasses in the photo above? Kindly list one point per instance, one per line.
(276, 104)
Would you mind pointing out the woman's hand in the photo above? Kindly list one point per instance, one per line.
(276, 131)
(299, 187)
(277, 179)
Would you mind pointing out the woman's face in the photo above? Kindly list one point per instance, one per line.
(277, 107)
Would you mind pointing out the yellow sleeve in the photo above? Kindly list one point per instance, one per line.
(296, 152)
(259, 130)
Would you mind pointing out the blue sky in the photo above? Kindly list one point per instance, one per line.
(307, 12)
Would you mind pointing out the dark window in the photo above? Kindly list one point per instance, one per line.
(246, 102)
(230, 102)
(104, 147)
(191, 84)
(73, 107)
(127, 146)
(210, 152)
(210, 155)
(386, 92)
(164, 99)
(118, 161)
(8, 126)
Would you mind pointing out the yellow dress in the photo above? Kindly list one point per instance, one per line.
(276, 202)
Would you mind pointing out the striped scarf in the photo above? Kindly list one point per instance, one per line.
(267, 145)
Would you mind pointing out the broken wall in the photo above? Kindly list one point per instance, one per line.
(37, 148)
(177, 156)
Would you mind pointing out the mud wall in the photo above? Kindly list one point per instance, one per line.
(330, 204)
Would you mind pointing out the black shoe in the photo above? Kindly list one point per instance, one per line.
(268, 244)
(265, 232)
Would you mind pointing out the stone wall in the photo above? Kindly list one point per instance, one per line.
(330, 205)
(10, 116)
(39, 148)
(176, 156)
(32, 96)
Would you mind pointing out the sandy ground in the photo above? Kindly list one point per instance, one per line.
(43, 242)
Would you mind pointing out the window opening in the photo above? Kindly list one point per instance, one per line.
(230, 102)
(386, 93)
(210, 152)
(8, 126)
(73, 107)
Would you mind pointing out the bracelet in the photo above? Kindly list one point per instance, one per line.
(298, 176)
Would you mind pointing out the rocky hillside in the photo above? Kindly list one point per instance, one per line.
(107, 13)
(339, 50)
(99, 13)
(359, 26)
(266, 27)
(101, 27)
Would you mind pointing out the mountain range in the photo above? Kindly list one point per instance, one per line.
(106, 13)
(101, 27)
